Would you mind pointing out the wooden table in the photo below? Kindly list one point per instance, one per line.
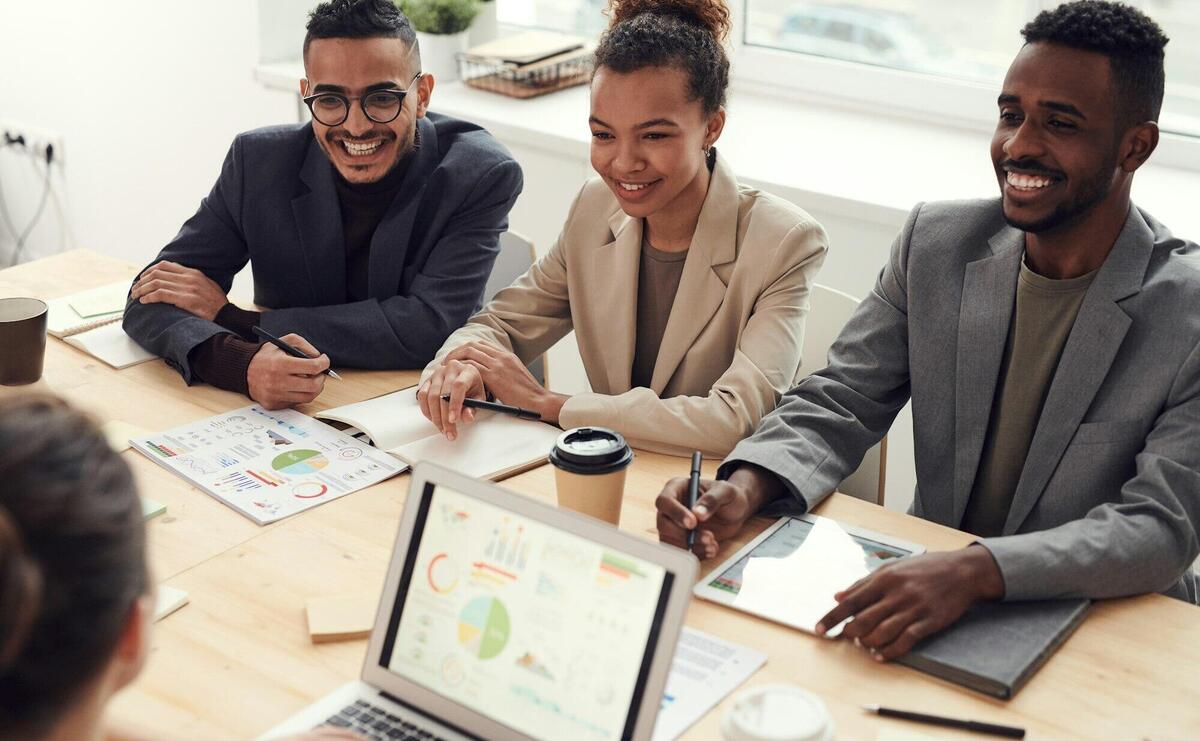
(238, 658)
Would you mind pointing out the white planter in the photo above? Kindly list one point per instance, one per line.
(485, 27)
(439, 54)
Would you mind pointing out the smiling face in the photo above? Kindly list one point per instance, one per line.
(362, 150)
(649, 139)
(1057, 149)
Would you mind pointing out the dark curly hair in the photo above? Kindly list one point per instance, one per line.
(1133, 43)
(683, 34)
(358, 19)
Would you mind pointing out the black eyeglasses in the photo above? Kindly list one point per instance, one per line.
(381, 106)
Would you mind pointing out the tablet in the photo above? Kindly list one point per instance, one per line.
(790, 572)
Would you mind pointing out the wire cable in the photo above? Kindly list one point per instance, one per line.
(37, 215)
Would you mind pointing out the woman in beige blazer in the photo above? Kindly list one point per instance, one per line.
(673, 369)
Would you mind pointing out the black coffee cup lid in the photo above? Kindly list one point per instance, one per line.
(591, 450)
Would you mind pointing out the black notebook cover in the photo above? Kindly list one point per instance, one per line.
(996, 647)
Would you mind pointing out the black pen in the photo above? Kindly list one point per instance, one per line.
(693, 490)
(289, 349)
(496, 407)
(937, 720)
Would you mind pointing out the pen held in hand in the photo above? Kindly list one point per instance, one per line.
(497, 407)
(294, 352)
(693, 490)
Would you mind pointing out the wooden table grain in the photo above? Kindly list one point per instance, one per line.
(238, 659)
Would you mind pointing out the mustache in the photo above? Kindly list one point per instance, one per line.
(1031, 165)
(334, 138)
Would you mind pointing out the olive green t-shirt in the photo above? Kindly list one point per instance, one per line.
(1043, 315)
(658, 281)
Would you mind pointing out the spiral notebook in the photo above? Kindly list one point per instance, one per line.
(91, 321)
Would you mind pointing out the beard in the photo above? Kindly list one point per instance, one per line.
(1094, 190)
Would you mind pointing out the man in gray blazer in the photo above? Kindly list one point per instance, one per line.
(1050, 344)
(371, 231)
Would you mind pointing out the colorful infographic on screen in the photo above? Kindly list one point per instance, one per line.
(540, 629)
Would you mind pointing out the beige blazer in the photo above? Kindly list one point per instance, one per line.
(732, 342)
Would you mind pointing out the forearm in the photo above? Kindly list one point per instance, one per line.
(1103, 555)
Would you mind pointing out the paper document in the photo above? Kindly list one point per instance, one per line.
(268, 465)
(705, 670)
(495, 445)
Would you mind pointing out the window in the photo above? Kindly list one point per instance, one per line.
(940, 59)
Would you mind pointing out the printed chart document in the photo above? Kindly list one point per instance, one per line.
(494, 446)
(91, 321)
(705, 670)
(268, 465)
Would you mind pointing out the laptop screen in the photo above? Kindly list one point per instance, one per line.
(539, 629)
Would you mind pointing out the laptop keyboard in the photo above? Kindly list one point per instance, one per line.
(376, 723)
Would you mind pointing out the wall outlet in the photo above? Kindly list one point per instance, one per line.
(36, 141)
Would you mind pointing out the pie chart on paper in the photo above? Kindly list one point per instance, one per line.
(299, 462)
(483, 627)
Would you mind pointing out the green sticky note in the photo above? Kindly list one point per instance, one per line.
(151, 508)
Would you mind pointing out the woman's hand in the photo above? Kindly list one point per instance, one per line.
(460, 380)
(506, 377)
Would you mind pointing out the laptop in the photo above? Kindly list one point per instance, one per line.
(505, 618)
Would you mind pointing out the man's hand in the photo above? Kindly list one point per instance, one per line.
(189, 289)
(899, 604)
(278, 380)
(722, 507)
(507, 378)
(461, 381)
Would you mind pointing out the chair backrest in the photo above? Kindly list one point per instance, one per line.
(515, 258)
(829, 312)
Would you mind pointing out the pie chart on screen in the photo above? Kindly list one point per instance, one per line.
(299, 462)
(483, 627)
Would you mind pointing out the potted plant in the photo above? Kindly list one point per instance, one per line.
(441, 27)
(485, 28)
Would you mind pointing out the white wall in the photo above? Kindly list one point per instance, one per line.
(146, 96)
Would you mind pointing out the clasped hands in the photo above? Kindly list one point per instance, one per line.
(474, 370)
(889, 610)
(274, 379)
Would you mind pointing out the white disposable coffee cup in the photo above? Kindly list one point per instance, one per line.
(589, 471)
(777, 712)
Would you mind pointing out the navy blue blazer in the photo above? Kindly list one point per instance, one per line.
(275, 206)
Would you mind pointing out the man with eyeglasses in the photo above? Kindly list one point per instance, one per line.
(371, 232)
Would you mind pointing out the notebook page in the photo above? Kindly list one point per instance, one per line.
(493, 443)
(389, 421)
(110, 344)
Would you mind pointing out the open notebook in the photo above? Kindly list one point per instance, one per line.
(494, 446)
(91, 321)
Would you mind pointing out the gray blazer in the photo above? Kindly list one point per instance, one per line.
(275, 206)
(1109, 499)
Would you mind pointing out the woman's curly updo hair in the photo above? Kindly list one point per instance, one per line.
(687, 35)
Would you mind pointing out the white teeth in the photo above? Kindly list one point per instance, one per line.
(1027, 182)
(360, 150)
(634, 186)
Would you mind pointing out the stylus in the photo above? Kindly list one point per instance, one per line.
(693, 489)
